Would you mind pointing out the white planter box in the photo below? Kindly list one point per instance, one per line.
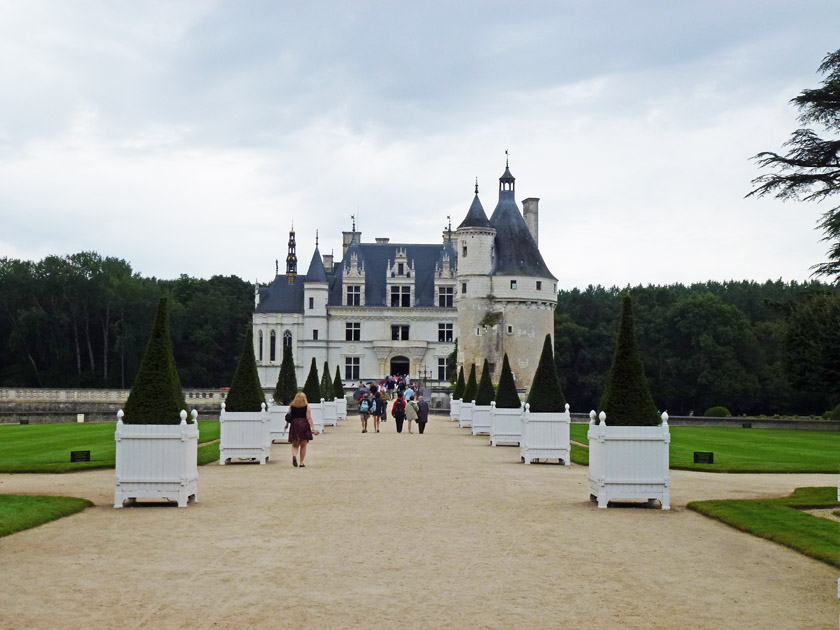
(277, 422)
(156, 461)
(629, 462)
(330, 411)
(454, 408)
(505, 424)
(481, 419)
(545, 436)
(341, 408)
(244, 435)
(465, 415)
(317, 412)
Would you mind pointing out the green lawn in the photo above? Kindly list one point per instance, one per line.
(749, 450)
(782, 521)
(18, 512)
(38, 448)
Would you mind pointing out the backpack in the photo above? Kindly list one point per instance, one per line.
(399, 408)
(364, 406)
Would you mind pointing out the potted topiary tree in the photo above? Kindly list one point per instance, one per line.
(284, 393)
(545, 423)
(457, 396)
(506, 410)
(156, 445)
(483, 397)
(470, 389)
(244, 427)
(330, 407)
(628, 459)
(338, 393)
(312, 389)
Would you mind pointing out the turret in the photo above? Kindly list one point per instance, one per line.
(315, 295)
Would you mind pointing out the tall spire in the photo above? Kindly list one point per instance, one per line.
(316, 239)
(291, 259)
(476, 185)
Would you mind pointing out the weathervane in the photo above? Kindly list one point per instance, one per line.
(316, 239)
(476, 185)
(507, 159)
(353, 217)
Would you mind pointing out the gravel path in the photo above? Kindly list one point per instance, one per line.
(406, 531)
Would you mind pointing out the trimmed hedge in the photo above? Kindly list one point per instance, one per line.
(471, 387)
(326, 384)
(506, 395)
(460, 386)
(156, 396)
(627, 400)
(312, 387)
(286, 387)
(338, 385)
(546, 395)
(717, 412)
(246, 393)
(485, 394)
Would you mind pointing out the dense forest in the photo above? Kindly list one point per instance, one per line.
(83, 321)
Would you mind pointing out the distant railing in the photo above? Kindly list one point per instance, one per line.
(17, 394)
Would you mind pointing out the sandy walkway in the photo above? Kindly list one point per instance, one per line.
(406, 531)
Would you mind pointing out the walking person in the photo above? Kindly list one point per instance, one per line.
(398, 411)
(301, 428)
(422, 414)
(364, 410)
(377, 408)
(411, 412)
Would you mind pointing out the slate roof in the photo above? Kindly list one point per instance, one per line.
(282, 297)
(316, 272)
(475, 216)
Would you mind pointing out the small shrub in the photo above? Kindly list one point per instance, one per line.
(312, 387)
(827, 415)
(246, 393)
(460, 385)
(326, 384)
(338, 385)
(485, 394)
(546, 395)
(471, 387)
(286, 387)
(835, 415)
(506, 395)
(718, 412)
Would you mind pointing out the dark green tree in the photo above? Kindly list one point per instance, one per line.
(460, 386)
(156, 396)
(471, 387)
(810, 170)
(546, 395)
(451, 363)
(506, 395)
(246, 392)
(326, 384)
(338, 385)
(627, 399)
(312, 386)
(286, 387)
(813, 346)
(485, 394)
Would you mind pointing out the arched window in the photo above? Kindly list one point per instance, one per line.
(260, 353)
(287, 339)
(272, 348)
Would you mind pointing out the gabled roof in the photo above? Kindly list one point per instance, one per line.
(475, 216)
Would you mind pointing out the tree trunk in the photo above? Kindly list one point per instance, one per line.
(106, 325)
(89, 345)
(78, 348)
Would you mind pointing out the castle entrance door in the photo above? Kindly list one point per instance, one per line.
(399, 365)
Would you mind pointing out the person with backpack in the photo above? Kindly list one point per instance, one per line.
(411, 412)
(398, 411)
(364, 411)
(377, 407)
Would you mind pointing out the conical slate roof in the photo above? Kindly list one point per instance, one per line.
(316, 272)
(475, 216)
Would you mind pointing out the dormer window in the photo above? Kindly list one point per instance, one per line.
(400, 269)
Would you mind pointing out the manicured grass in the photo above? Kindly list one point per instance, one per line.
(749, 450)
(19, 512)
(40, 448)
(580, 455)
(782, 521)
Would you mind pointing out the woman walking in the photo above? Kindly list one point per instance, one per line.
(377, 409)
(411, 412)
(301, 429)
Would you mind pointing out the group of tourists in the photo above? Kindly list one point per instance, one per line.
(406, 406)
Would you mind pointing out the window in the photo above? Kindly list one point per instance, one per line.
(463, 287)
(261, 346)
(351, 368)
(353, 331)
(492, 367)
(272, 344)
(513, 284)
(399, 333)
(287, 339)
(446, 297)
(441, 368)
(445, 332)
(354, 296)
(539, 285)
(400, 269)
(401, 296)
(315, 334)
(478, 331)
(464, 251)
(311, 302)
(510, 330)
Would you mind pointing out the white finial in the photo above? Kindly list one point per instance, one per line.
(194, 415)
(603, 417)
(223, 406)
(567, 406)
(183, 415)
(665, 418)
(120, 415)
(262, 406)
(592, 415)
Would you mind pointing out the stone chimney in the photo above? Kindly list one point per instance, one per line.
(381, 240)
(531, 212)
(347, 238)
(328, 262)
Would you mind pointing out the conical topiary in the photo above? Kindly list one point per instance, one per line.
(246, 393)
(471, 387)
(312, 387)
(326, 384)
(484, 395)
(156, 396)
(286, 387)
(460, 386)
(338, 386)
(546, 395)
(506, 394)
(627, 400)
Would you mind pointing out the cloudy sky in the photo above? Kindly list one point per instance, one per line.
(186, 137)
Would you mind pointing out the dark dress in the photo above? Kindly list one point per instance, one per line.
(299, 429)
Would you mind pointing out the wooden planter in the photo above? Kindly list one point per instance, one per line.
(317, 411)
(505, 424)
(157, 461)
(330, 413)
(465, 415)
(277, 422)
(629, 462)
(545, 436)
(454, 408)
(341, 408)
(481, 419)
(244, 435)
